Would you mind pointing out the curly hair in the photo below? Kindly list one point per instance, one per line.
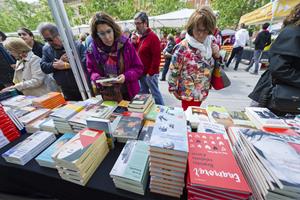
(293, 17)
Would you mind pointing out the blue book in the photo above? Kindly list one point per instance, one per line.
(44, 159)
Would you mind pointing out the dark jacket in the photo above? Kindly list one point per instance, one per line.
(284, 63)
(64, 78)
(262, 40)
(6, 71)
(37, 49)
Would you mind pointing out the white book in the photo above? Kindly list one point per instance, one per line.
(26, 119)
(3, 140)
(264, 118)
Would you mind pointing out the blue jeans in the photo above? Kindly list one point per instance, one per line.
(256, 58)
(150, 84)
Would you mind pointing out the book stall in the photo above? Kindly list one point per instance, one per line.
(138, 150)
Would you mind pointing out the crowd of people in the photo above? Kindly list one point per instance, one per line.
(133, 58)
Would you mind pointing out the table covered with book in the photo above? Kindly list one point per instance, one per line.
(139, 150)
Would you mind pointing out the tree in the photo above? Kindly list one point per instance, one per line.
(231, 11)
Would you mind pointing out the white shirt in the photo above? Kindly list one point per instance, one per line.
(241, 38)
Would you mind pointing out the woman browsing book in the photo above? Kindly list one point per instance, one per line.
(193, 60)
(111, 55)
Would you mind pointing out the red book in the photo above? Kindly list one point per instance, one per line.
(211, 164)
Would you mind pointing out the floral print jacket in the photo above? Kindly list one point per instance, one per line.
(190, 73)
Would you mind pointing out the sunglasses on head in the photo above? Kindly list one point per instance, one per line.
(104, 33)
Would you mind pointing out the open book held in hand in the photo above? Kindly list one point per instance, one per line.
(107, 80)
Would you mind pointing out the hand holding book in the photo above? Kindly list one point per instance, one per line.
(110, 81)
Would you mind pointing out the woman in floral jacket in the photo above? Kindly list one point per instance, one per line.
(192, 62)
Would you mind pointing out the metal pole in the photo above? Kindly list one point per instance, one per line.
(66, 43)
(70, 37)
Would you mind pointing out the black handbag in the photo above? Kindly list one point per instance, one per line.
(285, 98)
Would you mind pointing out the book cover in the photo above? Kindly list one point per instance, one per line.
(45, 156)
(280, 154)
(75, 148)
(153, 112)
(240, 119)
(146, 131)
(211, 163)
(30, 117)
(263, 117)
(140, 99)
(208, 127)
(128, 127)
(196, 114)
(219, 115)
(170, 131)
(3, 140)
(132, 162)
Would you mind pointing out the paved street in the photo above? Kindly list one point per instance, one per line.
(234, 97)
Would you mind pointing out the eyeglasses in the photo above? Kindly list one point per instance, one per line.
(20, 34)
(138, 23)
(104, 33)
(202, 31)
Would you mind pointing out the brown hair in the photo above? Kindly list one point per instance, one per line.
(293, 17)
(103, 18)
(202, 17)
(16, 45)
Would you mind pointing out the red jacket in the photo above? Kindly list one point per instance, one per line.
(149, 52)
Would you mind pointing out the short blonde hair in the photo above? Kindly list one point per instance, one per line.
(202, 17)
(16, 45)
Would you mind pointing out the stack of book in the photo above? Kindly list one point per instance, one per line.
(50, 100)
(219, 115)
(45, 159)
(195, 115)
(61, 116)
(128, 127)
(213, 172)
(8, 94)
(168, 152)
(130, 172)
(49, 125)
(35, 125)
(263, 118)
(121, 108)
(8, 130)
(78, 121)
(153, 112)
(78, 159)
(19, 112)
(270, 162)
(141, 103)
(107, 125)
(11, 114)
(29, 148)
(34, 116)
(19, 101)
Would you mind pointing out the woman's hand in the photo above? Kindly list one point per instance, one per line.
(7, 89)
(176, 95)
(215, 51)
(120, 79)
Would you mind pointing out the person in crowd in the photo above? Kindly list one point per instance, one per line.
(262, 40)
(55, 61)
(168, 55)
(193, 60)
(182, 34)
(241, 39)
(149, 53)
(134, 40)
(7, 64)
(177, 37)
(127, 32)
(284, 58)
(163, 41)
(111, 54)
(28, 37)
(82, 39)
(28, 78)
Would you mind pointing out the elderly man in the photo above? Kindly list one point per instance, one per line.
(148, 50)
(55, 61)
